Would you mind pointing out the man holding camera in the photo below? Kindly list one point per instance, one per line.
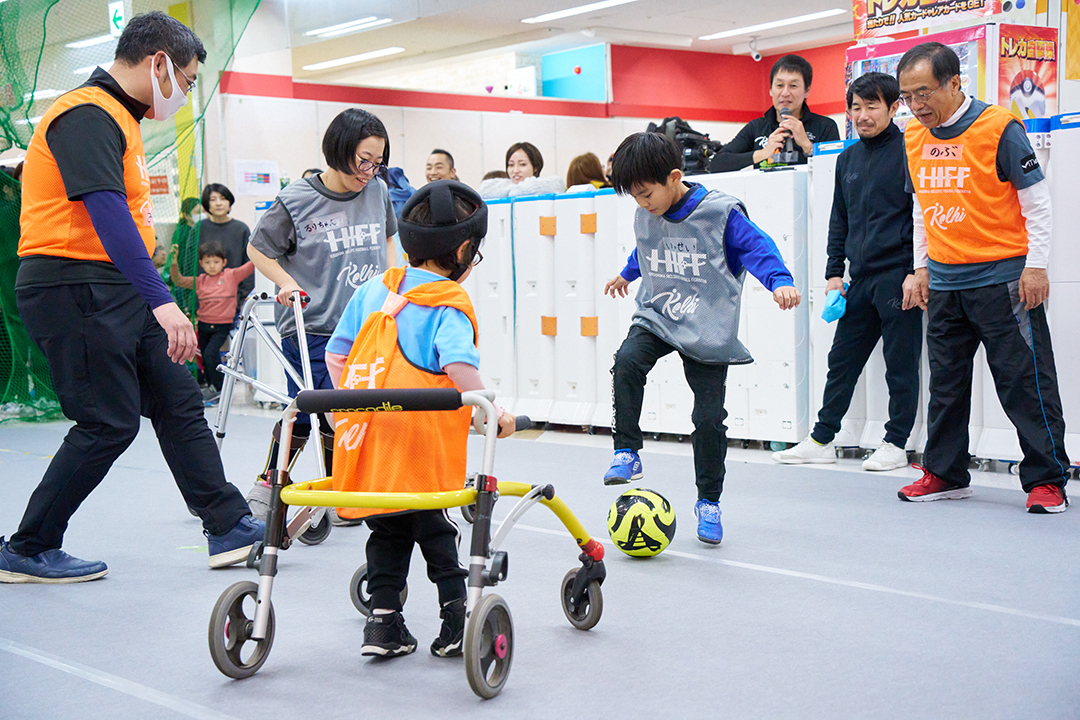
(789, 118)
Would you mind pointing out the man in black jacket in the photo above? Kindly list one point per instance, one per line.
(871, 228)
(760, 139)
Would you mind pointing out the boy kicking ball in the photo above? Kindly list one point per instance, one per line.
(694, 247)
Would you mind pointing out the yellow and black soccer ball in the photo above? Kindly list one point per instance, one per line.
(641, 522)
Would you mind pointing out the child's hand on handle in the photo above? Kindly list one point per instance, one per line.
(786, 297)
(284, 296)
(507, 424)
(617, 284)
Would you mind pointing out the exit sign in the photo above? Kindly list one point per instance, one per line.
(117, 18)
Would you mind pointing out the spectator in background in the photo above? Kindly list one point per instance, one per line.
(760, 139)
(184, 246)
(231, 235)
(523, 165)
(309, 172)
(440, 166)
(607, 167)
(495, 174)
(585, 174)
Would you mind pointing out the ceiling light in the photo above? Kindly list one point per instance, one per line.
(349, 27)
(88, 69)
(90, 42)
(355, 58)
(42, 94)
(30, 121)
(576, 10)
(775, 24)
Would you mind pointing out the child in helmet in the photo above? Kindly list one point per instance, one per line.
(412, 328)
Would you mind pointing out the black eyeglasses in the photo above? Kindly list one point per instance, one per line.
(478, 259)
(190, 82)
(363, 165)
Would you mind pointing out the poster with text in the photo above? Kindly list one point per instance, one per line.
(256, 177)
(874, 18)
(1027, 70)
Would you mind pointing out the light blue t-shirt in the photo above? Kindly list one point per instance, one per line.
(430, 338)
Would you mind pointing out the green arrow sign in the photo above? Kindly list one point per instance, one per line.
(117, 18)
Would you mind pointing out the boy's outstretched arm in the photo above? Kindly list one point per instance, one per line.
(629, 274)
(183, 281)
(747, 245)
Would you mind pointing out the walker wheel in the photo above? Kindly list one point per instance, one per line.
(232, 648)
(359, 595)
(315, 534)
(489, 646)
(588, 611)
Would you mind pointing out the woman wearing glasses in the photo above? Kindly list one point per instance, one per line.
(325, 235)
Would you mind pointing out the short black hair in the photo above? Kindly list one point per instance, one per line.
(644, 157)
(874, 86)
(212, 248)
(793, 63)
(943, 60)
(346, 131)
(220, 190)
(531, 152)
(154, 32)
(440, 151)
(420, 214)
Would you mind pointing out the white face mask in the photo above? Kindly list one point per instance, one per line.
(164, 108)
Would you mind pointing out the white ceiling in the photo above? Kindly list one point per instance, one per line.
(436, 30)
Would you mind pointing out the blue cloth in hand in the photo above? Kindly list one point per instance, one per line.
(835, 305)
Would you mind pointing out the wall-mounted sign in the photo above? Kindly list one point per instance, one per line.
(874, 18)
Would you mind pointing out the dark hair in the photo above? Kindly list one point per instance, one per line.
(535, 158)
(154, 32)
(874, 86)
(438, 151)
(495, 174)
(644, 157)
(346, 131)
(793, 63)
(420, 214)
(585, 169)
(943, 60)
(220, 190)
(211, 248)
(311, 171)
(189, 204)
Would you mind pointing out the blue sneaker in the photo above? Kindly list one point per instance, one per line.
(233, 547)
(50, 566)
(625, 467)
(709, 529)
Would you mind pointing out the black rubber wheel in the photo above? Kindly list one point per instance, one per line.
(359, 595)
(315, 534)
(587, 614)
(489, 646)
(234, 652)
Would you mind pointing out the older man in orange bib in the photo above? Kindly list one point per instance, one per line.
(982, 237)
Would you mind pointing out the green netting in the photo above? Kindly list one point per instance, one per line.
(44, 53)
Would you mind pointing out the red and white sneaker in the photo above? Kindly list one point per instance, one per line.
(930, 487)
(1047, 499)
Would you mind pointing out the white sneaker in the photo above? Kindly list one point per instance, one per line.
(886, 457)
(808, 451)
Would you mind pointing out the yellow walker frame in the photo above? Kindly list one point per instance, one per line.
(489, 632)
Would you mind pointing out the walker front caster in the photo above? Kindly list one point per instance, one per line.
(315, 534)
(489, 646)
(359, 595)
(586, 613)
(234, 651)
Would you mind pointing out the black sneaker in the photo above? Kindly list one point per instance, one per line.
(387, 636)
(452, 634)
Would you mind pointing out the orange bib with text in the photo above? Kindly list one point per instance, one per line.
(52, 224)
(971, 216)
(397, 452)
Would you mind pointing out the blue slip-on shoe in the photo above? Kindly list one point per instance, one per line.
(709, 529)
(233, 547)
(50, 566)
(625, 467)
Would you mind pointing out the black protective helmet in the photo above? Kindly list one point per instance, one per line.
(446, 232)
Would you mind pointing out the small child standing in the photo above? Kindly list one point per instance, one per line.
(216, 291)
(694, 247)
(412, 328)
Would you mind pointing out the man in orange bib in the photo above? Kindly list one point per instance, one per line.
(982, 238)
(412, 328)
(92, 300)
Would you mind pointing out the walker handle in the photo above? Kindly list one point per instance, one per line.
(396, 400)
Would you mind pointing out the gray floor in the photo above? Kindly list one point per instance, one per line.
(829, 598)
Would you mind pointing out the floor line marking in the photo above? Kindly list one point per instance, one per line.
(114, 682)
(990, 607)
